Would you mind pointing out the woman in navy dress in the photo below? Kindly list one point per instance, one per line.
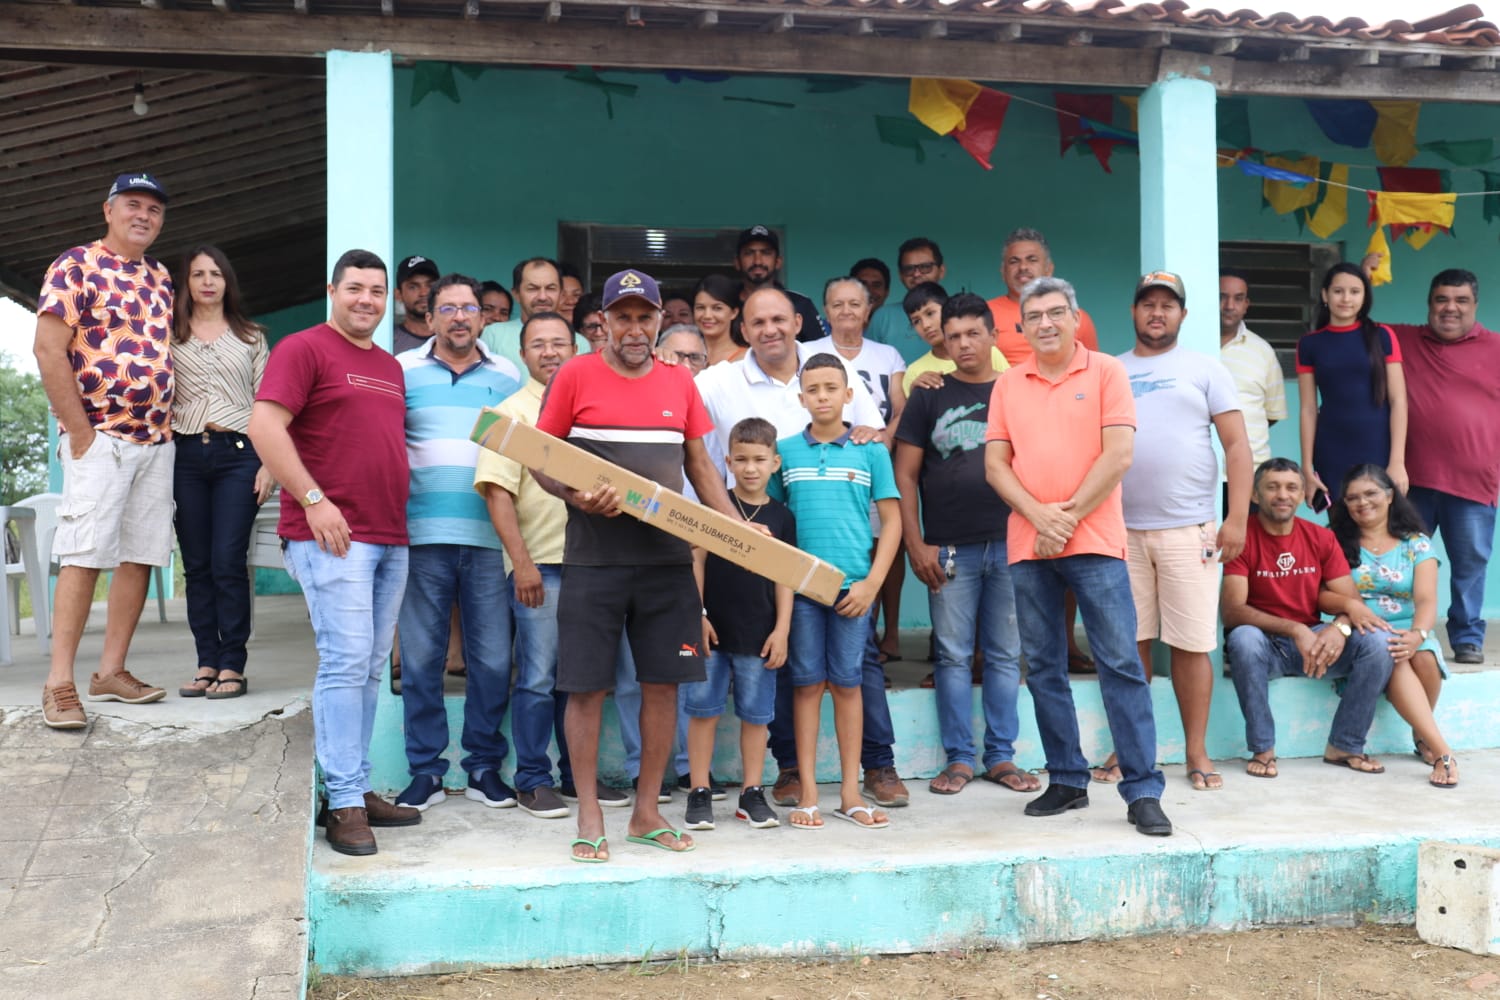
(1353, 395)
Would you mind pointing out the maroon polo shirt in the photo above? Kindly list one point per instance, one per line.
(1453, 405)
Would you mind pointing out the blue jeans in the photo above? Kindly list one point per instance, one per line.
(1468, 531)
(825, 645)
(474, 576)
(1102, 586)
(1255, 658)
(878, 748)
(981, 598)
(534, 705)
(353, 603)
(213, 485)
(754, 689)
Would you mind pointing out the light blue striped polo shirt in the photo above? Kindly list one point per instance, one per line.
(829, 487)
(441, 407)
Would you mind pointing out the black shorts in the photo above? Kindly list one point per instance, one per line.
(657, 606)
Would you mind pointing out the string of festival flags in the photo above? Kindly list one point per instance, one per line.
(1415, 203)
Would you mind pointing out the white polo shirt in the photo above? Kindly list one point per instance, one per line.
(734, 390)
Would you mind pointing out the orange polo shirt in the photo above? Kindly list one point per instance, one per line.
(1012, 342)
(1055, 430)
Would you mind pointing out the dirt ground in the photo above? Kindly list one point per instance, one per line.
(1359, 963)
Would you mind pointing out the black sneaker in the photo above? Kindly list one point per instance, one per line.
(663, 796)
(715, 790)
(609, 798)
(486, 787)
(1467, 652)
(424, 792)
(1056, 800)
(700, 810)
(753, 809)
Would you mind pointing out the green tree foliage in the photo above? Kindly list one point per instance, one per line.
(23, 434)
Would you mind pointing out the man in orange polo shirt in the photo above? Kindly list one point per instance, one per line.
(1061, 434)
(1024, 257)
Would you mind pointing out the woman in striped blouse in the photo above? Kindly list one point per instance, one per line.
(218, 357)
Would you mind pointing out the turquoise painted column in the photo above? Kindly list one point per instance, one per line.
(361, 161)
(1180, 198)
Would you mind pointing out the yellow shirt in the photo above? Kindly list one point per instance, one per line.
(543, 517)
(930, 362)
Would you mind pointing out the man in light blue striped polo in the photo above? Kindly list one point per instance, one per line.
(455, 553)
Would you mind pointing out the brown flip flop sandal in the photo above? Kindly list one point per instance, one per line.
(1007, 775)
(953, 772)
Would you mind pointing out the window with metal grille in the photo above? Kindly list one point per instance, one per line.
(1284, 283)
(676, 258)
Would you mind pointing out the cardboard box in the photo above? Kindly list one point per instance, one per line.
(644, 500)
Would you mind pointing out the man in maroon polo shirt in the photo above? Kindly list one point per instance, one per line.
(1452, 367)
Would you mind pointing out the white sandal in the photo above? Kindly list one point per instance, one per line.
(811, 812)
(853, 811)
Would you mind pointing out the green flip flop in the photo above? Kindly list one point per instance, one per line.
(649, 840)
(595, 844)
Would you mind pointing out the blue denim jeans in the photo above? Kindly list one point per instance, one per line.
(353, 602)
(878, 748)
(1468, 531)
(825, 645)
(534, 704)
(754, 689)
(213, 485)
(474, 576)
(1255, 658)
(979, 599)
(1102, 586)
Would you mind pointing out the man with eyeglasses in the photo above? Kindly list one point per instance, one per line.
(455, 554)
(1061, 435)
(918, 260)
(758, 259)
(1024, 257)
(682, 344)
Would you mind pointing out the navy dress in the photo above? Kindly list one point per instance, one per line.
(1351, 428)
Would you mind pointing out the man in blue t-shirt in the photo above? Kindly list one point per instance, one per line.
(961, 554)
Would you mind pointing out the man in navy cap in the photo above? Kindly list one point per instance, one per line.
(414, 278)
(757, 256)
(103, 333)
(620, 573)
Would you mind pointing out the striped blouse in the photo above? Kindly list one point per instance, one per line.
(216, 382)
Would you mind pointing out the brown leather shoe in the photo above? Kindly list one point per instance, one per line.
(885, 787)
(788, 788)
(349, 831)
(383, 813)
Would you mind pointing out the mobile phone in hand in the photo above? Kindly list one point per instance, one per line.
(1319, 502)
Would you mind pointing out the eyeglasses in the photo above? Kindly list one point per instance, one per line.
(693, 358)
(926, 267)
(1056, 314)
(588, 328)
(452, 310)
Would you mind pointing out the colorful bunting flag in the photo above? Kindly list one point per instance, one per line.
(1072, 109)
(1421, 212)
(981, 128)
(1333, 212)
(1348, 123)
(1287, 195)
(941, 104)
(1463, 152)
(1395, 137)
(904, 133)
(1133, 105)
(1420, 180)
(1382, 273)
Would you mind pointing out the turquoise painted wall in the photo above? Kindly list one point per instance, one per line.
(293, 318)
(484, 182)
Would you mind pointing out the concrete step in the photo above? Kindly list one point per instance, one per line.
(1318, 845)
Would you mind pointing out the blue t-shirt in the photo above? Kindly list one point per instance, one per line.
(890, 325)
(829, 487)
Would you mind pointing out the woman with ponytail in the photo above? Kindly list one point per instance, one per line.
(1353, 395)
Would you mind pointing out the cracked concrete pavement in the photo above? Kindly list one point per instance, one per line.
(162, 852)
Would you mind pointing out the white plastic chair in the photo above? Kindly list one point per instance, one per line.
(45, 505)
(265, 544)
(32, 567)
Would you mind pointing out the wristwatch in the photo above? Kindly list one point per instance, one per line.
(1425, 633)
(314, 495)
(1344, 629)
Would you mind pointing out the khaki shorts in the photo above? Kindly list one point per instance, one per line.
(1176, 593)
(116, 504)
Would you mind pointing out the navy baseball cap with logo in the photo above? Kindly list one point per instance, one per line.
(758, 234)
(625, 284)
(138, 182)
(1161, 279)
(416, 264)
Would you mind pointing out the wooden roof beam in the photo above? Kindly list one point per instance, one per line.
(1008, 32)
(1076, 39)
(706, 20)
(1294, 53)
(781, 23)
(933, 29)
(1359, 57)
(860, 27)
(1227, 46)
(1154, 39)
(552, 13)
(1420, 60)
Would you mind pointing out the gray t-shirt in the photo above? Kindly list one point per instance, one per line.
(1173, 480)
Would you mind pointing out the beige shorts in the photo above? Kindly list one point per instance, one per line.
(116, 504)
(1176, 592)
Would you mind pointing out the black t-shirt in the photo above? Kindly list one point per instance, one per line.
(742, 605)
(813, 327)
(948, 424)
